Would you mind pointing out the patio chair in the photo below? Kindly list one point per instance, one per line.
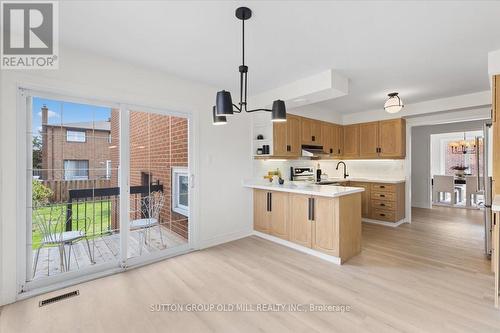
(52, 226)
(151, 207)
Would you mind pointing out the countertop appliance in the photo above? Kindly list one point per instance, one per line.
(301, 174)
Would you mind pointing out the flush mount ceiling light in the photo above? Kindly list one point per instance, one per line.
(394, 104)
(223, 103)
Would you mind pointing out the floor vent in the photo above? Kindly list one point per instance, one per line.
(58, 298)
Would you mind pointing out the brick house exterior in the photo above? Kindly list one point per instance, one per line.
(157, 144)
(56, 148)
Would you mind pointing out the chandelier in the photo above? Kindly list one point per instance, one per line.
(223, 103)
(463, 146)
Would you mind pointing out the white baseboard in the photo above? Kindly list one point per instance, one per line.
(387, 224)
(332, 259)
(229, 237)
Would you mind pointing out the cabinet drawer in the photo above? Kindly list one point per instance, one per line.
(384, 187)
(384, 215)
(377, 195)
(382, 204)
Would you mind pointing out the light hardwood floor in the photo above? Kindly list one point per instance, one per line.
(430, 276)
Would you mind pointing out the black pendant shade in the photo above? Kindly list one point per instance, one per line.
(224, 104)
(218, 120)
(279, 111)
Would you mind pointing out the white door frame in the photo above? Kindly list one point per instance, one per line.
(438, 118)
(24, 156)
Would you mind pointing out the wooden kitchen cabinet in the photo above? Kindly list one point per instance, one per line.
(311, 132)
(279, 214)
(327, 137)
(338, 140)
(369, 139)
(351, 141)
(325, 226)
(300, 224)
(271, 213)
(387, 202)
(261, 216)
(392, 138)
(286, 137)
(365, 198)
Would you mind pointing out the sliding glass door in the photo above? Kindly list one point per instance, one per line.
(107, 187)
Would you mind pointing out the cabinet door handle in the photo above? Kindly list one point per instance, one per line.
(313, 138)
(270, 201)
(331, 151)
(383, 205)
(382, 195)
(339, 151)
(288, 148)
(382, 186)
(312, 209)
(268, 195)
(308, 209)
(382, 214)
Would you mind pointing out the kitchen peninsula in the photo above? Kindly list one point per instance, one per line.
(324, 221)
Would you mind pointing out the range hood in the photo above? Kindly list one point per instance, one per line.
(313, 151)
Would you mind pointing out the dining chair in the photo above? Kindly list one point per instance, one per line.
(442, 185)
(472, 190)
(51, 223)
(151, 207)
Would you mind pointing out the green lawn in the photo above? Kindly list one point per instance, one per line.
(98, 212)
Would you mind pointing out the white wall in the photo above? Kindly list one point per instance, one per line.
(421, 155)
(493, 63)
(223, 152)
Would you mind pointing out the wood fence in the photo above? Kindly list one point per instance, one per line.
(61, 188)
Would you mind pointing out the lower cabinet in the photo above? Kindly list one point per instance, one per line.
(329, 225)
(300, 223)
(270, 211)
(365, 198)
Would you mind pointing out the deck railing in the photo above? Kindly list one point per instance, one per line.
(103, 205)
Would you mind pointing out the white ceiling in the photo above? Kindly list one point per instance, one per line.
(424, 50)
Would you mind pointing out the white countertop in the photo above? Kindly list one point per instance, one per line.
(305, 188)
(368, 180)
(495, 205)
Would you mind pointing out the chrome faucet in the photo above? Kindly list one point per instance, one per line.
(345, 169)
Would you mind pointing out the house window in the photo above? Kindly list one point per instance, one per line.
(108, 169)
(75, 136)
(76, 169)
(180, 190)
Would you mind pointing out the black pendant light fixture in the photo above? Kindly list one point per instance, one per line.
(224, 104)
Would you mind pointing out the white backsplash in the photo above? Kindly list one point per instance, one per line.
(383, 169)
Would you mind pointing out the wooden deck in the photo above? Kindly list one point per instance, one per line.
(105, 249)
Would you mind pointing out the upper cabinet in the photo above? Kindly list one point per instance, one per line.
(311, 132)
(372, 140)
(351, 141)
(286, 137)
(392, 138)
(368, 139)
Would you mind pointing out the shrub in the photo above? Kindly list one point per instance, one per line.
(41, 193)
